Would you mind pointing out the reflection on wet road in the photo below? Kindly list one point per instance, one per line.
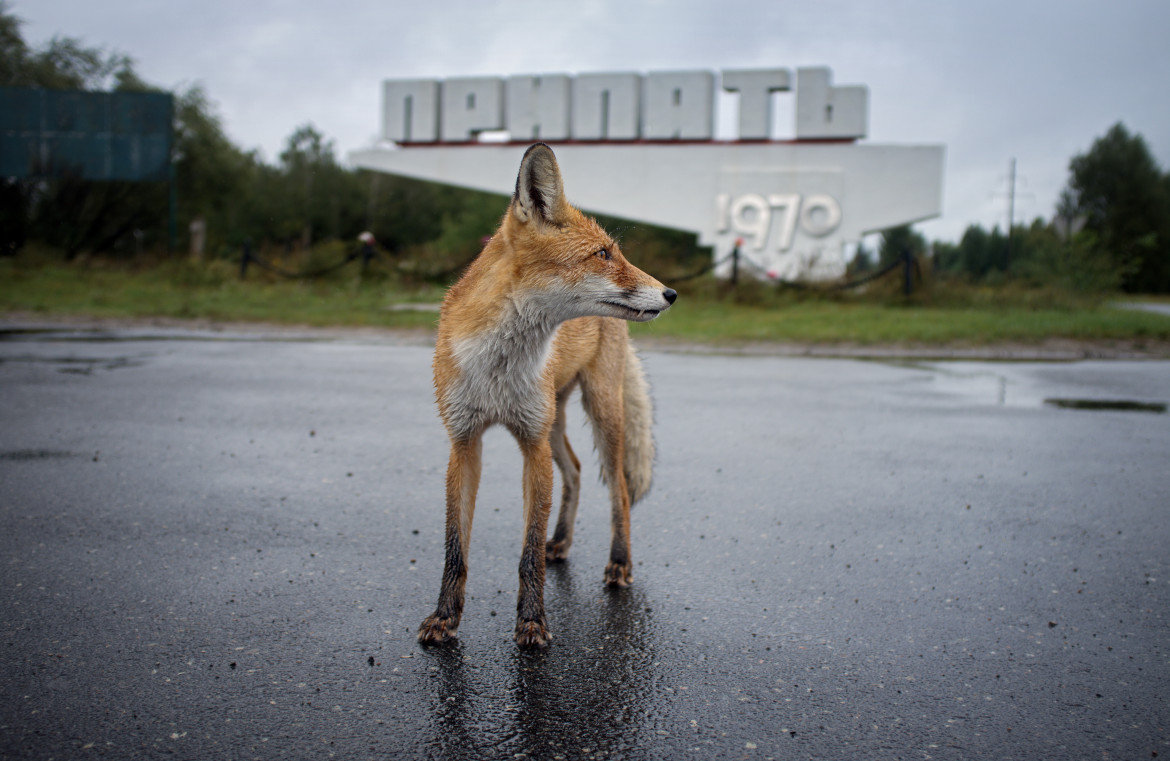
(533, 707)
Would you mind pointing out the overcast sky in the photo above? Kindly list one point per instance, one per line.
(992, 80)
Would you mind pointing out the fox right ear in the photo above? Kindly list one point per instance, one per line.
(540, 193)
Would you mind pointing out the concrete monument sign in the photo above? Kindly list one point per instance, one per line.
(641, 147)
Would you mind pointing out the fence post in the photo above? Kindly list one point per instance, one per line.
(172, 204)
(735, 262)
(907, 272)
(245, 258)
(367, 240)
(367, 255)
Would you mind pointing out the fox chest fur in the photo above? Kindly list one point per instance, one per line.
(502, 376)
(510, 372)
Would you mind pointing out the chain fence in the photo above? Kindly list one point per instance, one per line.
(907, 262)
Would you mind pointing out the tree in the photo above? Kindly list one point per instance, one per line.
(212, 175)
(13, 50)
(982, 253)
(1125, 199)
(319, 199)
(72, 213)
(63, 64)
(1071, 263)
(897, 241)
(860, 264)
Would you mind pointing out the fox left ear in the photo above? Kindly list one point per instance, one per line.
(540, 193)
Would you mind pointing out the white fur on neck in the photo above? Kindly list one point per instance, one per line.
(501, 370)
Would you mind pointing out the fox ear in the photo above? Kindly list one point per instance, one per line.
(540, 193)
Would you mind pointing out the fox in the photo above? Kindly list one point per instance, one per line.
(542, 311)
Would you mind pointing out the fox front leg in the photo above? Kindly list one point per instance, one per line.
(531, 627)
(462, 483)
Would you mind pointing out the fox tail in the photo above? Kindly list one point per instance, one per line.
(639, 440)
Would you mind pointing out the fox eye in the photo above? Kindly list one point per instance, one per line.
(604, 255)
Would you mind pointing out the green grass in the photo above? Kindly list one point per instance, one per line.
(40, 283)
(869, 324)
(212, 292)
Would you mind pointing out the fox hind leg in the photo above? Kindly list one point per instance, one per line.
(570, 468)
(603, 403)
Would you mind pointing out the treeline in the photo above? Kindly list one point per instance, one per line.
(1111, 229)
(304, 198)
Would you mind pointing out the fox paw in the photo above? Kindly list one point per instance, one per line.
(619, 575)
(532, 634)
(556, 551)
(435, 630)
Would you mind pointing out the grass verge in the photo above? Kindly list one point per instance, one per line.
(208, 292)
(708, 314)
(870, 324)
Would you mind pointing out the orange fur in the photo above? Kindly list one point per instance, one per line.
(538, 314)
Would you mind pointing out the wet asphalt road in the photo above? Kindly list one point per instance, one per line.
(222, 549)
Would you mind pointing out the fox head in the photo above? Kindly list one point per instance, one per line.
(568, 256)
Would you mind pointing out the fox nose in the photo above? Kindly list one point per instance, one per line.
(670, 295)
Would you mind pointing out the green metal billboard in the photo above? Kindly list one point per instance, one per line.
(88, 135)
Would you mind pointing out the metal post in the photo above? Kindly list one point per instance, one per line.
(367, 254)
(367, 240)
(907, 272)
(735, 264)
(244, 260)
(172, 211)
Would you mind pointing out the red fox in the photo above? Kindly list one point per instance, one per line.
(539, 313)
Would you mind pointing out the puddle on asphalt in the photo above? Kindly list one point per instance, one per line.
(268, 334)
(959, 380)
(80, 365)
(1024, 385)
(100, 335)
(1122, 405)
(32, 455)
